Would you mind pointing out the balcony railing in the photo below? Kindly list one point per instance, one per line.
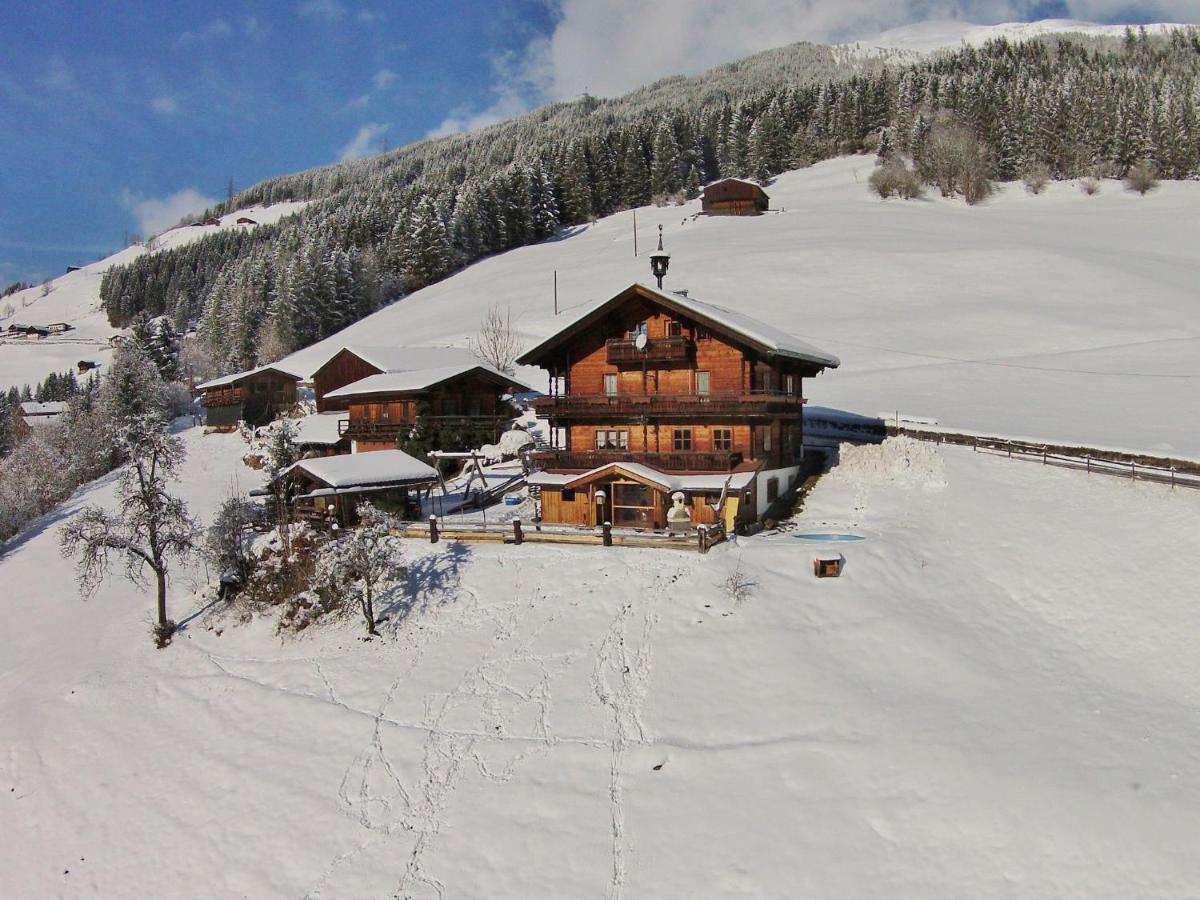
(669, 461)
(381, 429)
(755, 403)
(223, 397)
(665, 349)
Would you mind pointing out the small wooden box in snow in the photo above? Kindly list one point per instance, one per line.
(829, 566)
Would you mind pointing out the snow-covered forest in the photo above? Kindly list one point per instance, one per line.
(1064, 105)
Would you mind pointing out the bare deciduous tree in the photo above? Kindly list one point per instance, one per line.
(366, 559)
(498, 343)
(149, 528)
(955, 160)
(1142, 177)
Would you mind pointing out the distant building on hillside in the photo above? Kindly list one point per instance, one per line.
(255, 397)
(246, 220)
(71, 269)
(734, 197)
(59, 327)
(39, 415)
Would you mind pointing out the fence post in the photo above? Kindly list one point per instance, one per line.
(606, 528)
(433, 531)
(518, 536)
(1089, 463)
(702, 538)
(1172, 478)
(1132, 469)
(1043, 456)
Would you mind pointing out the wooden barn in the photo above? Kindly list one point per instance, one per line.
(254, 397)
(330, 488)
(356, 362)
(34, 414)
(459, 406)
(654, 394)
(734, 197)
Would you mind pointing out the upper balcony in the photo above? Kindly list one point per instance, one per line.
(223, 397)
(658, 350)
(725, 405)
(666, 461)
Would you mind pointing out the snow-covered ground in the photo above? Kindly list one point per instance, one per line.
(1062, 317)
(925, 37)
(998, 698)
(75, 298)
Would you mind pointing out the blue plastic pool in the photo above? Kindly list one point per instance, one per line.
(830, 537)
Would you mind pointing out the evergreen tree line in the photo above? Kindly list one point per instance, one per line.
(379, 228)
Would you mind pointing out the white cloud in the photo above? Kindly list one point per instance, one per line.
(383, 78)
(368, 17)
(164, 105)
(508, 103)
(643, 42)
(330, 10)
(156, 214)
(364, 142)
(215, 30)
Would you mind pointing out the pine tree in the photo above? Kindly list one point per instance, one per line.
(664, 168)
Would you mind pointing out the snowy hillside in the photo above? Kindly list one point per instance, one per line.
(926, 37)
(1061, 316)
(75, 298)
(997, 699)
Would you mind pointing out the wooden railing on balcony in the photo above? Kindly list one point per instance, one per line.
(670, 461)
(389, 428)
(664, 405)
(665, 349)
(223, 397)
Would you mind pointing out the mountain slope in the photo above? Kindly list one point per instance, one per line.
(1061, 316)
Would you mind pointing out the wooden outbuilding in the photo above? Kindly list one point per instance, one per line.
(655, 392)
(246, 220)
(329, 489)
(734, 197)
(355, 362)
(457, 407)
(255, 397)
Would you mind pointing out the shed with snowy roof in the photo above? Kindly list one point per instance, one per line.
(330, 488)
(255, 396)
(734, 197)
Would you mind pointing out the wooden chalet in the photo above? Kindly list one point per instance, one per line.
(355, 362)
(653, 394)
(254, 397)
(454, 403)
(734, 197)
(329, 488)
(34, 415)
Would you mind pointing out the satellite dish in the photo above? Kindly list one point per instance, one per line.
(641, 341)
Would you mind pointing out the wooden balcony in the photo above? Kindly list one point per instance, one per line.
(389, 429)
(681, 461)
(666, 406)
(658, 350)
(223, 397)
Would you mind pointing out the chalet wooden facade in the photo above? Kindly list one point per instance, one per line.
(255, 397)
(654, 393)
(453, 403)
(734, 197)
(355, 362)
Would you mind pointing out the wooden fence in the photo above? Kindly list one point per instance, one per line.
(1175, 473)
(517, 532)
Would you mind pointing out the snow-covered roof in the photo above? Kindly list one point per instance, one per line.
(229, 380)
(753, 184)
(320, 428)
(408, 359)
(707, 483)
(378, 467)
(766, 338)
(48, 408)
(421, 379)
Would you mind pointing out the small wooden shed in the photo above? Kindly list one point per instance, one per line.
(734, 197)
(255, 396)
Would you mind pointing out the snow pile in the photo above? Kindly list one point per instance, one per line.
(511, 443)
(900, 460)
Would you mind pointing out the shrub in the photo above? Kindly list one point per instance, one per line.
(1036, 179)
(895, 179)
(955, 160)
(1090, 185)
(1142, 177)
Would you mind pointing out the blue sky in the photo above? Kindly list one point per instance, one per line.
(119, 118)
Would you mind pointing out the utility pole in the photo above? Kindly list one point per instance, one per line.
(635, 232)
(556, 292)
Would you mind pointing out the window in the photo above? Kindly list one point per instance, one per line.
(768, 380)
(632, 504)
(385, 411)
(701, 333)
(640, 328)
(568, 495)
(682, 439)
(772, 489)
(702, 382)
(612, 440)
(764, 438)
(610, 385)
(722, 438)
(674, 329)
(789, 384)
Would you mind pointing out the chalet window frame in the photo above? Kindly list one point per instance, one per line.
(567, 495)
(626, 510)
(606, 436)
(789, 383)
(611, 382)
(681, 440)
(674, 328)
(722, 438)
(703, 383)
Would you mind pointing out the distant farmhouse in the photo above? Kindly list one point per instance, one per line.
(38, 415)
(734, 197)
(256, 396)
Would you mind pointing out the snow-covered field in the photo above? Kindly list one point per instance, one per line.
(1061, 317)
(75, 298)
(998, 698)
